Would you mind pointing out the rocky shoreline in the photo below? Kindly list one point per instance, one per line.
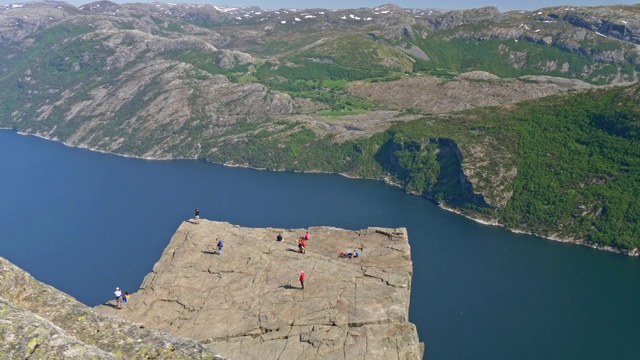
(248, 303)
(633, 252)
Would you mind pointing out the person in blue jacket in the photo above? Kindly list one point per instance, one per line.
(219, 244)
(350, 254)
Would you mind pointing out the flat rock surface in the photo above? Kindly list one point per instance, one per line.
(247, 302)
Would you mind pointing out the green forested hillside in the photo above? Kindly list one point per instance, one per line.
(577, 159)
(579, 168)
(497, 57)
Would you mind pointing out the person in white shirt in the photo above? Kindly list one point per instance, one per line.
(118, 298)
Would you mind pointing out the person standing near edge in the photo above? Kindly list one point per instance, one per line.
(118, 298)
(302, 278)
(196, 214)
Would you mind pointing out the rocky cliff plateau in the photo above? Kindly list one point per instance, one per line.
(248, 304)
(247, 301)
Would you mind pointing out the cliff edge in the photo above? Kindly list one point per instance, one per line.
(39, 322)
(247, 302)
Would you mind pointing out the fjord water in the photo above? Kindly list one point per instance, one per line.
(86, 222)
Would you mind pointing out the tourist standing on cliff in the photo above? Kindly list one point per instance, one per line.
(196, 213)
(219, 244)
(118, 298)
(302, 279)
(307, 236)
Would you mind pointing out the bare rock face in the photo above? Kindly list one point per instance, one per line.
(469, 90)
(20, 20)
(456, 18)
(248, 303)
(229, 59)
(40, 322)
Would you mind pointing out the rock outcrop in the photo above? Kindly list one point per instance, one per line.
(466, 91)
(248, 303)
(40, 322)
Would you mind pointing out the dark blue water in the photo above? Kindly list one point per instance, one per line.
(87, 222)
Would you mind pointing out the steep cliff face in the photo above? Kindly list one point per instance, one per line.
(40, 322)
(248, 303)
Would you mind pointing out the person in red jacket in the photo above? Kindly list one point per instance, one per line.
(302, 278)
(302, 245)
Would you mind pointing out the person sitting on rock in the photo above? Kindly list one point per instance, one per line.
(302, 245)
(279, 237)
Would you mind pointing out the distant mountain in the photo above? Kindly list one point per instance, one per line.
(457, 106)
